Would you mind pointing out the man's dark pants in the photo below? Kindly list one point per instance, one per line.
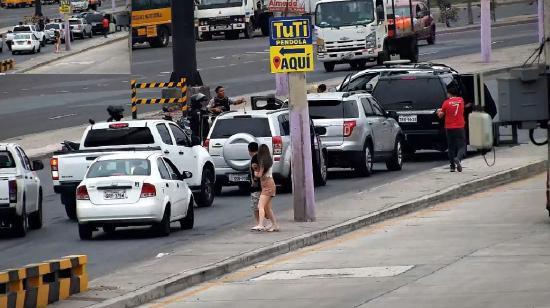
(105, 31)
(456, 141)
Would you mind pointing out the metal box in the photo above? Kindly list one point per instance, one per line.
(480, 130)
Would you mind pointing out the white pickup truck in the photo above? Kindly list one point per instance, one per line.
(68, 167)
(25, 28)
(20, 190)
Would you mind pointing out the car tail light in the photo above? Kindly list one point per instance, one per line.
(82, 193)
(348, 127)
(118, 125)
(277, 142)
(12, 187)
(206, 144)
(54, 167)
(148, 190)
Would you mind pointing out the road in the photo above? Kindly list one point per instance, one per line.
(486, 250)
(10, 17)
(239, 65)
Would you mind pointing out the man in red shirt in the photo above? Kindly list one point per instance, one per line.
(453, 111)
(105, 24)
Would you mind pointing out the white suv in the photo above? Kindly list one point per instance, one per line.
(231, 133)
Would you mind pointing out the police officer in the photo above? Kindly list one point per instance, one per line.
(195, 113)
(221, 103)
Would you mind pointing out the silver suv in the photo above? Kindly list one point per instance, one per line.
(231, 133)
(358, 131)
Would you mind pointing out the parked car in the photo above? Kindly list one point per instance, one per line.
(80, 27)
(50, 29)
(20, 190)
(231, 133)
(25, 29)
(25, 42)
(359, 132)
(69, 166)
(133, 189)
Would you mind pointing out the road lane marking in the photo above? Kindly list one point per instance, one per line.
(323, 273)
(218, 58)
(63, 116)
(427, 53)
(257, 52)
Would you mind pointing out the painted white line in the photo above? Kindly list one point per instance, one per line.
(62, 91)
(246, 62)
(63, 116)
(166, 72)
(351, 272)
(218, 58)
(428, 53)
(257, 52)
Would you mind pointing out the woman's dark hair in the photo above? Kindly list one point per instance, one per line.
(218, 89)
(253, 147)
(264, 157)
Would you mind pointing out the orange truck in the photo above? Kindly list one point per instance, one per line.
(16, 3)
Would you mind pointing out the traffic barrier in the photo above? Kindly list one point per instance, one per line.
(156, 85)
(6, 65)
(40, 284)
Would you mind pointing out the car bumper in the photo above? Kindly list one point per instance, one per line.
(21, 48)
(146, 211)
(348, 56)
(221, 28)
(7, 215)
(66, 187)
(426, 139)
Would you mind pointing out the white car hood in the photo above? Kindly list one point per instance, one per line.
(220, 12)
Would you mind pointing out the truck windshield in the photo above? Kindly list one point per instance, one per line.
(6, 160)
(344, 13)
(216, 4)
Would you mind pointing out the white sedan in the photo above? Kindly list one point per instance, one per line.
(133, 189)
(25, 42)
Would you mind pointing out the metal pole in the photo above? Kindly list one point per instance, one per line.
(183, 43)
(540, 11)
(133, 99)
(302, 171)
(67, 34)
(485, 31)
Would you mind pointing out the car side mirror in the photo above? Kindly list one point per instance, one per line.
(37, 165)
(320, 130)
(186, 175)
(392, 114)
(369, 88)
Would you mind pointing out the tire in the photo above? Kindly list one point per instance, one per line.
(91, 34)
(320, 175)
(163, 227)
(188, 221)
(364, 166)
(206, 196)
(35, 218)
(249, 31)
(43, 43)
(218, 189)
(14, 53)
(286, 184)
(265, 28)
(85, 232)
(329, 66)
(162, 40)
(413, 55)
(431, 39)
(69, 201)
(33, 50)
(39, 48)
(395, 163)
(21, 224)
(383, 56)
(109, 229)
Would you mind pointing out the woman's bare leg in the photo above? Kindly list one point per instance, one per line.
(271, 215)
(262, 210)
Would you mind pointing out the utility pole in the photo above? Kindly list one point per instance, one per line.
(184, 56)
(38, 8)
(485, 31)
(470, 13)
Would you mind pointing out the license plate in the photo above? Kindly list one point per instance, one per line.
(238, 177)
(407, 118)
(220, 28)
(114, 194)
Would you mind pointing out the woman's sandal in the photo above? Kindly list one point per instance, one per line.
(272, 229)
(258, 228)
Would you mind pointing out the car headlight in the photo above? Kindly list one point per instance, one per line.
(371, 40)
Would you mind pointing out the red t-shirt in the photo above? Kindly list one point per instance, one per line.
(454, 112)
(105, 23)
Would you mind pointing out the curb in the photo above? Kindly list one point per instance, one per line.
(496, 25)
(68, 55)
(190, 278)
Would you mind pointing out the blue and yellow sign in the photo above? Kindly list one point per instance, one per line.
(291, 48)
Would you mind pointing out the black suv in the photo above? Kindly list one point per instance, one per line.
(416, 97)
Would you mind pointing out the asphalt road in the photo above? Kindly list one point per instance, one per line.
(239, 65)
(10, 17)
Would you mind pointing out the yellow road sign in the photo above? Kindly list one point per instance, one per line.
(291, 59)
(65, 7)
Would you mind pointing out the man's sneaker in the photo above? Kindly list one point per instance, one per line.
(458, 165)
(452, 169)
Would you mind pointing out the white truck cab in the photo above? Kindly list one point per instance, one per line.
(20, 190)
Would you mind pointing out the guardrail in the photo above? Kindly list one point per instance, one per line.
(157, 85)
(40, 284)
(6, 65)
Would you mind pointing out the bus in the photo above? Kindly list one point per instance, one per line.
(151, 22)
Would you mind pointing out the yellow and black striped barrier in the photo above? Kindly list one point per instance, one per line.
(40, 284)
(149, 101)
(6, 65)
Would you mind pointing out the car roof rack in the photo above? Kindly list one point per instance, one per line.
(278, 110)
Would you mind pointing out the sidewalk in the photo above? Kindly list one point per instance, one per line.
(486, 250)
(237, 247)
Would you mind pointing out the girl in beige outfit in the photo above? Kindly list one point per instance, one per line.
(265, 207)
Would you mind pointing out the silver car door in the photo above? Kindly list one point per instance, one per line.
(387, 138)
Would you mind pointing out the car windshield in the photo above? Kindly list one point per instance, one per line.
(410, 92)
(22, 37)
(332, 109)
(119, 167)
(225, 128)
(52, 27)
(118, 136)
(6, 160)
(344, 13)
(214, 4)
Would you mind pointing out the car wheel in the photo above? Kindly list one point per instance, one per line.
(91, 34)
(109, 229)
(21, 224)
(85, 232)
(364, 167)
(206, 196)
(163, 227)
(162, 39)
(218, 189)
(431, 39)
(321, 174)
(39, 48)
(188, 221)
(286, 184)
(35, 218)
(33, 50)
(69, 201)
(395, 163)
(249, 31)
(43, 43)
(329, 66)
